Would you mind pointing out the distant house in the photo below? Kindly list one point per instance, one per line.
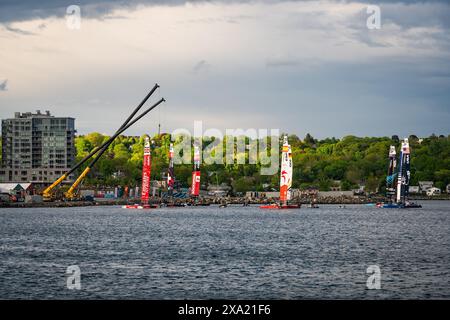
(218, 190)
(16, 189)
(360, 190)
(425, 185)
(295, 193)
(262, 195)
(336, 186)
(10, 188)
(414, 189)
(335, 194)
(433, 191)
(221, 187)
(448, 188)
(310, 192)
(252, 194)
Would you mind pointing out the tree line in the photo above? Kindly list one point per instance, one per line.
(349, 162)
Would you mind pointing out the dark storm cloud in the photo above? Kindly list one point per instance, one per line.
(402, 87)
(11, 10)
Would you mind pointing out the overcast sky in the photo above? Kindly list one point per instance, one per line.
(299, 66)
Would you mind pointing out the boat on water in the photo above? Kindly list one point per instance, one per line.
(146, 171)
(285, 180)
(280, 206)
(170, 173)
(195, 186)
(174, 205)
(407, 205)
(397, 183)
(140, 206)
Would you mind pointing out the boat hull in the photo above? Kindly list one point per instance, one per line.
(399, 206)
(140, 206)
(390, 206)
(278, 207)
(412, 206)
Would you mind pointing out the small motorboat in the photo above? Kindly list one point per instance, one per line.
(173, 205)
(411, 205)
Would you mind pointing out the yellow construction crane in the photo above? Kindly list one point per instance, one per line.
(48, 193)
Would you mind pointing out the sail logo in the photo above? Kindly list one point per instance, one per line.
(284, 175)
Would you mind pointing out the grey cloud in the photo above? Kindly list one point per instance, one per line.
(281, 63)
(11, 11)
(200, 66)
(19, 31)
(3, 85)
(404, 17)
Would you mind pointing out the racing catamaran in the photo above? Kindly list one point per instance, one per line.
(403, 178)
(285, 179)
(195, 187)
(170, 173)
(146, 171)
(391, 178)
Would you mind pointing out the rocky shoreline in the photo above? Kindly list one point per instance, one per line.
(206, 201)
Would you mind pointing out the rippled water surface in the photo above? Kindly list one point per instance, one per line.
(234, 252)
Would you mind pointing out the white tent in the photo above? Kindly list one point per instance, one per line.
(9, 187)
(25, 186)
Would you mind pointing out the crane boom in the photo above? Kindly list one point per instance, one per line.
(71, 193)
(48, 192)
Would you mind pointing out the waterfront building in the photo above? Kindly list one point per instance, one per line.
(425, 186)
(36, 147)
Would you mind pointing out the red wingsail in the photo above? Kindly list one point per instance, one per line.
(146, 171)
(195, 189)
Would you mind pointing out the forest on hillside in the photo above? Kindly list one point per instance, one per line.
(350, 162)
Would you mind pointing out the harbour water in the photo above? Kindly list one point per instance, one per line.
(232, 253)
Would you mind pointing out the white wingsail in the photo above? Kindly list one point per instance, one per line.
(403, 172)
(286, 172)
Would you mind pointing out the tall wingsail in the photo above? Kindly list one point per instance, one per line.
(146, 171)
(286, 172)
(195, 187)
(391, 175)
(170, 172)
(403, 173)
